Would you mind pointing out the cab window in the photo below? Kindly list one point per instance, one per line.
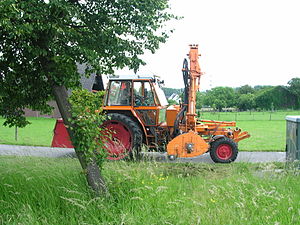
(119, 93)
(143, 95)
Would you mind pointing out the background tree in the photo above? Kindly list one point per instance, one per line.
(279, 97)
(220, 97)
(41, 42)
(294, 88)
(245, 102)
(245, 89)
(172, 102)
(261, 87)
(200, 99)
(246, 97)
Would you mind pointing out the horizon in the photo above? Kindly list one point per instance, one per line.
(235, 87)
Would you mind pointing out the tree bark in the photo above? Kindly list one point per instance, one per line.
(93, 173)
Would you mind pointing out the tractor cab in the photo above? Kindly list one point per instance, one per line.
(134, 103)
(142, 96)
(134, 91)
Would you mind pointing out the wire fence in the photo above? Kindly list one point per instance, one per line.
(247, 116)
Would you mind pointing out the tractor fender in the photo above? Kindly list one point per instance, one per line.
(141, 124)
(214, 138)
(217, 137)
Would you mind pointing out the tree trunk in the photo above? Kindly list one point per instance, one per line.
(93, 173)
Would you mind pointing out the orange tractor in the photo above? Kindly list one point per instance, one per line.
(139, 115)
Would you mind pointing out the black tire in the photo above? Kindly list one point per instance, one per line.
(134, 129)
(223, 150)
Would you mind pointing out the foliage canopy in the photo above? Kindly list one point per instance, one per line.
(220, 97)
(41, 42)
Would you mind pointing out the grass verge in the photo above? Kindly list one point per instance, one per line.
(53, 191)
(38, 133)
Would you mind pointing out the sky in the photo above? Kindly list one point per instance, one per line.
(255, 42)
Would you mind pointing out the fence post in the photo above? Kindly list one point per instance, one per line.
(16, 133)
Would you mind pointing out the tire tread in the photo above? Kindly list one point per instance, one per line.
(213, 148)
(134, 129)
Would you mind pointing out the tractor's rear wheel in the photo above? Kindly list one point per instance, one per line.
(124, 137)
(223, 150)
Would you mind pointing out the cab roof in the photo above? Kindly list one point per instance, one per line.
(132, 77)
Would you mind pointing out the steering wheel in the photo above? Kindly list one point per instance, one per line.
(138, 100)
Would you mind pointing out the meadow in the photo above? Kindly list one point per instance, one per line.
(38, 133)
(54, 191)
(267, 129)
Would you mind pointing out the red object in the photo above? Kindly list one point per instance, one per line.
(120, 141)
(224, 151)
(61, 137)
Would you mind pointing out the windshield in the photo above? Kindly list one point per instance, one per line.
(161, 95)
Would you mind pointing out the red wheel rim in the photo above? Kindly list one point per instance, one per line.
(224, 151)
(118, 143)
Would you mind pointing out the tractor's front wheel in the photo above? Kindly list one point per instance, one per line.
(124, 136)
(223, 150)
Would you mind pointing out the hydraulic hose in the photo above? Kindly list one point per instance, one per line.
(185, 74)
(180, 115)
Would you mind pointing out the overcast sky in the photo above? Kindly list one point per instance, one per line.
(255, 42)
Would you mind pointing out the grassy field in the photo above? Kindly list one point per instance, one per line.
(267, 129)
(53, 191)
(248, 116)
(265, 135)
(38, 133)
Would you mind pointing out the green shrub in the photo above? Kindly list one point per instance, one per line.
(87, 117)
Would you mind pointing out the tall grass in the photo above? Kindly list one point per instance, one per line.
(53, 191)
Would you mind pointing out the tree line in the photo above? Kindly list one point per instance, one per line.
(260, 97)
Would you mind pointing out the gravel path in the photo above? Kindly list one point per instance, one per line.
(36, 151)
(69, 152)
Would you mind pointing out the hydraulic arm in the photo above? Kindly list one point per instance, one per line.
(194, 84)
(193, 137)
